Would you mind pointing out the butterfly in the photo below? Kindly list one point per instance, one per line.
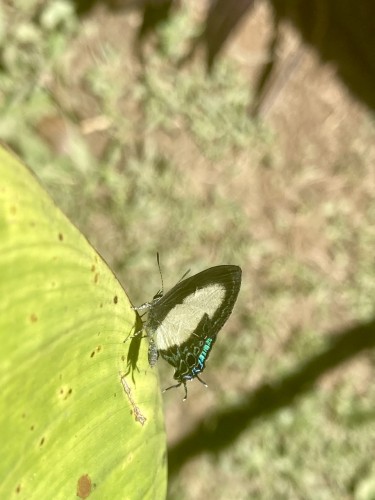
(183, 324)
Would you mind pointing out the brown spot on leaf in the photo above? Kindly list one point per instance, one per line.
(64, 392)
(96, 277)
(42, 442)
(98, 349)
(101, 305)
(93, 268)
(18, 489)
(33, 318)
(84, 486)
(61, 236)
(115, 299)
(32, 428)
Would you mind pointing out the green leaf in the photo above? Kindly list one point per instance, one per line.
(80, 414)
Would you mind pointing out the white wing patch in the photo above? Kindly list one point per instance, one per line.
(183, 319)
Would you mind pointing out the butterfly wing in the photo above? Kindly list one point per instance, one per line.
(194, 310)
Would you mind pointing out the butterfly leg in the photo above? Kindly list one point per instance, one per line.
(202, 381)
(178, 385)
(135, 335)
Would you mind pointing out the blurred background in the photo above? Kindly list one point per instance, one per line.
(224, 133)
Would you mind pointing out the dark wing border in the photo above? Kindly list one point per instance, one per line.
(227, 275)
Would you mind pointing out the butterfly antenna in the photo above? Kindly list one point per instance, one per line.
(183, 276)
(161, 276)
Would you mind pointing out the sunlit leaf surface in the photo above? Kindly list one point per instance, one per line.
(80, 416)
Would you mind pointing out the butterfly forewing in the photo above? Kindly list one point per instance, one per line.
(181, 320)
(211, 293)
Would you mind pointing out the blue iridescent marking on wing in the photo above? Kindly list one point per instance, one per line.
(202, 357)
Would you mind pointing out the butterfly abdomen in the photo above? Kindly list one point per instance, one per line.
(153, 352)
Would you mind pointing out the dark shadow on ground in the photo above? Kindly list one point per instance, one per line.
(219, 430)
(341, 31)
